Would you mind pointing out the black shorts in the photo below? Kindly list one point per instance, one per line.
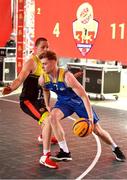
(34, 109)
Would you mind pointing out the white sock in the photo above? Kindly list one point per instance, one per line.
(45, 151)
(63, 145)
(114, 146)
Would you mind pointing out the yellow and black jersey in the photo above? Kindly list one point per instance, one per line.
(31, 89)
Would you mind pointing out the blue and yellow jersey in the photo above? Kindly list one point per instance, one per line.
(68, 101)
(31, 89)
(59, 86)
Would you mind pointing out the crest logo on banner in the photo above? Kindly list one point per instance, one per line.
(85, 28)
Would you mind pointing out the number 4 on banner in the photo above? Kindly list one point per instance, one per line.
(56, 30)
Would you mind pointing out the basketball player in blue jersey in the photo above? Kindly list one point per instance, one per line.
(71, 98)
(31, 97)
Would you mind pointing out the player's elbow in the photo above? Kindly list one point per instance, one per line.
(40, 81)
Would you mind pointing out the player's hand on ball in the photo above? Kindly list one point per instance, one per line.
(91, 126)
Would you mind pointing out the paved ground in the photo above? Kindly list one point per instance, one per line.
(92, 159)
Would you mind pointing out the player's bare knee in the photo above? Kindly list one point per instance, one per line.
(52, 118)
(97, 130)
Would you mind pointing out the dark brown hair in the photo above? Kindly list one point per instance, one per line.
(50, 55)
(37, 42)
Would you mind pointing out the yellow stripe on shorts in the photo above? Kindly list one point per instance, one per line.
(44, 115)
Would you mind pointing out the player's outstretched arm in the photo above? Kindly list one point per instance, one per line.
(27, 68)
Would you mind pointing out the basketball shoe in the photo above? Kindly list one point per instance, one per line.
(46, 161)
(53, 140)
(62, 156)
(119, 154)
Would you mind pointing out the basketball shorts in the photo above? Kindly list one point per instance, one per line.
(71, 106)
(35, 109)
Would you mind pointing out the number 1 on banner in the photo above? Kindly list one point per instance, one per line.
(122, 30)
(56, 30)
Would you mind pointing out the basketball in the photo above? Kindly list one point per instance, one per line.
(82, 127)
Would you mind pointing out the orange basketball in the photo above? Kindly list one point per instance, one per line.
(82, 127)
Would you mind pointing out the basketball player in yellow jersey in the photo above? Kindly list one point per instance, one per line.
(31, 97)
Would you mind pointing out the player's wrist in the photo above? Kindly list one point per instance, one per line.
(91, 120)
(9, 87)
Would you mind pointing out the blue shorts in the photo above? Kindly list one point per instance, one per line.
(71, 106)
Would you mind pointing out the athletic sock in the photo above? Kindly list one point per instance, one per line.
(63, 145)
(45, 151)
(114, 146)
